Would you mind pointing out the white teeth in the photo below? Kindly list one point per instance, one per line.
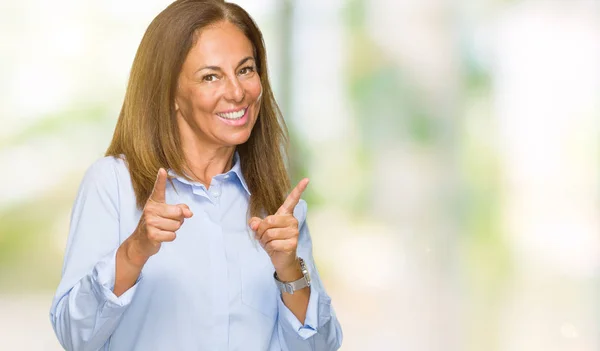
(233, 115)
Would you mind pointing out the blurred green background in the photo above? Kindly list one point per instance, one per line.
(452, 149)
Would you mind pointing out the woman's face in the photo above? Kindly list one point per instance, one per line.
(219, 91)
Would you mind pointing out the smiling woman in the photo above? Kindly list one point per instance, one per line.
(218, 95)
(158, 256)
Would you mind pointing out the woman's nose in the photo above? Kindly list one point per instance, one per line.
(234, 90)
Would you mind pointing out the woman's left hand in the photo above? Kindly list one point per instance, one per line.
(278, 233)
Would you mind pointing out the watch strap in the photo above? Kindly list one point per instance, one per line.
(290, 287)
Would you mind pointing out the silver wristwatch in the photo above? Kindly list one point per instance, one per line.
(301, 283)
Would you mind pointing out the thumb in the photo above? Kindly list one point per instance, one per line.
(160, 186)
(254, 223)
(187, 213)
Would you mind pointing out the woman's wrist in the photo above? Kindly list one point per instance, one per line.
(290, 273)
(133, 255)
(128, 267)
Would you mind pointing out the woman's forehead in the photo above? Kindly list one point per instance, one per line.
(220, 44)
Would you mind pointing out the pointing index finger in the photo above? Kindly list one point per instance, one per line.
(160, 186)
(292, 200)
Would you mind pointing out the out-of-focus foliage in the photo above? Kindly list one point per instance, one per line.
(452, 150)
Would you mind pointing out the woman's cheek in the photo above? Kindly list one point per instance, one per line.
(255, 88)
(206, 99)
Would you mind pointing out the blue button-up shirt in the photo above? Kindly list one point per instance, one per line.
(210, 289)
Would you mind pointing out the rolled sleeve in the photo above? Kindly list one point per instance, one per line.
(321, 329)
(103, 283)
(86, 315)
(290, 323)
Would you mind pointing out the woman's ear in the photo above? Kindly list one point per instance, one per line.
(261, 93)
(175, 99)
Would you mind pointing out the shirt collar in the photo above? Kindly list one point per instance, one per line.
(235, 169)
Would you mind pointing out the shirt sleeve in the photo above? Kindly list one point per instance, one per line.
(321, 329)
(85, 311)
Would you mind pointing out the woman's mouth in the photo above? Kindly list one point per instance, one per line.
(234, 118)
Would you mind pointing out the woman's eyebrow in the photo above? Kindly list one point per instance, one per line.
(244, 60)
(217, 68)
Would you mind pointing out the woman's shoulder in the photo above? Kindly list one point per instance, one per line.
(106, 170)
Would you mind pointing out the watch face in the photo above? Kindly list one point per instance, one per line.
(306, 275)
(305, 271)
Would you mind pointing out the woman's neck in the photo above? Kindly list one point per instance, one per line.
(204, 159)
(205, 163)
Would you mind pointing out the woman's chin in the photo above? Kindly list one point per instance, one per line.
(237, 139)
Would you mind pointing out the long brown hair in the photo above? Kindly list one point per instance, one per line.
(146, 133)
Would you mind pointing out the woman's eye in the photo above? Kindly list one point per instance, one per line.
(247, 70)
(209, 78)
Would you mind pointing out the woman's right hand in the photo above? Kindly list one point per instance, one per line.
(158, 223)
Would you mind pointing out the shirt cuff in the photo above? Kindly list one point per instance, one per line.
(317, 313)
(103, 283)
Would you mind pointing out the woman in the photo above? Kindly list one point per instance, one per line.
(159, 255)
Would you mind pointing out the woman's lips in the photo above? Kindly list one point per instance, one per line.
(234, 118)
